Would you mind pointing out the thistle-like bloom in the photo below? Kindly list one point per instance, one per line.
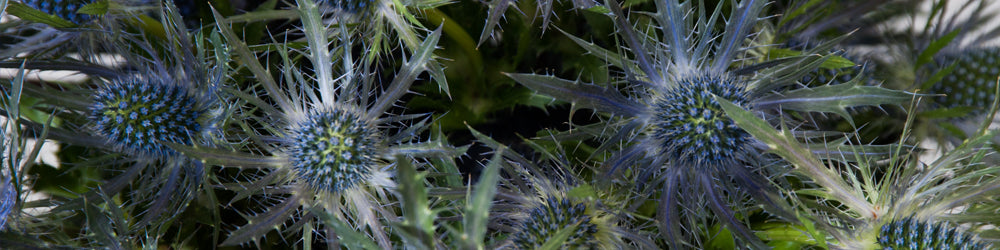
(547, 219)
(65, 9)
(674, 128)
(910, 233)
(136, 115)
(330, 141)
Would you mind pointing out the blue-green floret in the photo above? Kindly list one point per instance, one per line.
(691, 126)
(7, 199)
(65, 9)
(545, 221)
(910, 233)
(334, 149)
(134, 115)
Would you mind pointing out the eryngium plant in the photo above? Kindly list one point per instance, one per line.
(850, 196)
(670, 120)
(325, 142)
(972, 80)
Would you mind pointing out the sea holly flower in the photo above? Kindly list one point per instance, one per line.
(325, 142)
(672, 125)
(8, 197)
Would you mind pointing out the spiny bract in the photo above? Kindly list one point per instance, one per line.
(910, 233)
(545, 221)
(973, 80)
(135, 115)
(693, 128)
(333, 149)
(65, 9)
(7, 195)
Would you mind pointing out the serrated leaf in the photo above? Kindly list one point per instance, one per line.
(347, 236)
(832, 61)
(835, 98)
(477, 210)
(420, 61)
(418, 219)
(588, 96)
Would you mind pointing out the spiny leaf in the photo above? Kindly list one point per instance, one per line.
(418, 219)
(835, 98)
(588, 96)
(477, 209)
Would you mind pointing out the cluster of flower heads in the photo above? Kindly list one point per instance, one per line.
(65, 9)
(136, 115)
(547, 219)
(333, 149)
(910, 233)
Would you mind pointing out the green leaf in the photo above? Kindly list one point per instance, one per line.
(418, 219)
(835, 98)
(348, 237)
(95, 8)
(832, 61)
(31, 14)
(477, 210)
(927, 55)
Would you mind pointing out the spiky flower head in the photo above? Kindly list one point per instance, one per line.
(972, 81)
(7, 198)
(65, 9)
(333, 149)
(135, 115)
(693, 128)
(555, 214)
(910, 233)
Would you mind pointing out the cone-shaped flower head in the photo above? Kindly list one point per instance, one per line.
(973, 80)
(333, 149)
(65, 9)
(910, 233)
(693, 128)
(136, 115)
(545, 222)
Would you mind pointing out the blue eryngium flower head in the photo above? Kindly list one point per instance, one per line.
(65, 9)
(691, 126)
(910, 233)
(547, 219)
(333, 149)
(134, 115)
